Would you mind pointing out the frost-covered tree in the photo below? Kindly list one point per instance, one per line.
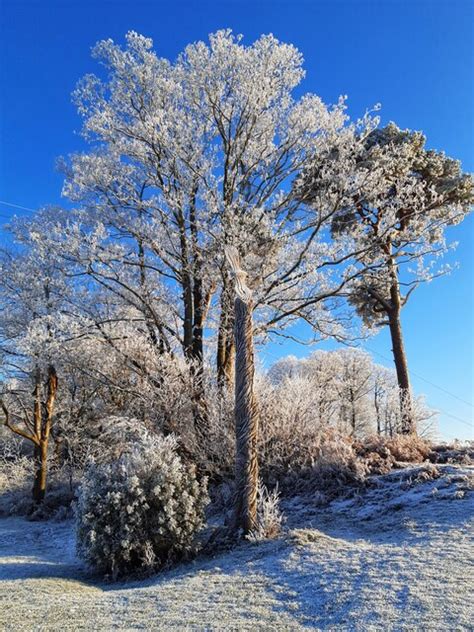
(397, 199)
(343, 389)
(354, 384)
(32, 300)
(189, 157)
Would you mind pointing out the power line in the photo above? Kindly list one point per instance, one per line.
(440, 388)
(463, 421)
(24, 208)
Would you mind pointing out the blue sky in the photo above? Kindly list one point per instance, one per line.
(416, 58)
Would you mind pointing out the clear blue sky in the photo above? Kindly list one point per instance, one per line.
(415, 57)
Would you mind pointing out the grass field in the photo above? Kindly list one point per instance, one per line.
(398, 557)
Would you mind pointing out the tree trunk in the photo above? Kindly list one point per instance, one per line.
(41, 459)
(353, 413)
(398, 349)
(246, 420)
(377, 411)
(45, 423)
(40, 433)
(188, 315)
(225, 358)
(225, 339)
(403, 377)
(246, 414)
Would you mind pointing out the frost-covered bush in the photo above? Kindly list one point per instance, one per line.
(289, 432)
(269, 516)
(336, 465)
(141, 511)
(409, 448)
(381, 453)
(16, 475)
(329, 466)
(217, 444)
(376, 454)
(17, 469)
(455, 452)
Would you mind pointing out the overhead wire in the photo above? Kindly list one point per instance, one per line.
(24, 208)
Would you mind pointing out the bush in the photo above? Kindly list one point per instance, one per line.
(409, 448)
(17, 469)
(139, 512)
(381, 454)
(376, 454)
(16, 477)
(269, 516)
(331, 467)
(461, 453)
(336, 466)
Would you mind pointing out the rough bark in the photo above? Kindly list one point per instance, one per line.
(246, 414)
(225, 338)
(45, 424)
(41, 472)
(403, 377)
(408, 425)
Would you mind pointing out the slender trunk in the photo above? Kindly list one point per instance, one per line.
(188, 315)
(403, 377)
(196, 354)
(194, 314)
(225, 358)
(377, 412)
(398, 349)
(198, 322)
(353, 413)
(187, 286)
(225, 339)
(200, 298)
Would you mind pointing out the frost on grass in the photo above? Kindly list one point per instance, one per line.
(398, 570)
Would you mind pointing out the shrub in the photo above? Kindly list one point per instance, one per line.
(455, 452)
(289, 433)
(336, 465)
(376, 454)
(269, 516)
(409, 448)
(17, 469)
(332, 466)
(381, 454)
(16, 476)
(139, 512)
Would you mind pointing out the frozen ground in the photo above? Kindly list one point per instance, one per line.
(399, 557)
